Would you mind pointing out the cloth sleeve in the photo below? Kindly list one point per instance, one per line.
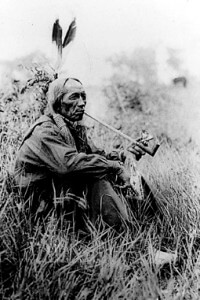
(61, 158)
(115, 154)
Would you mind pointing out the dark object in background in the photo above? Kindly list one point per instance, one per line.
(182, 80)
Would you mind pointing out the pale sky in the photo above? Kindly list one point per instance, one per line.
(104, 27)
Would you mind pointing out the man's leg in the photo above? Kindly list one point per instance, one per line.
(104, 202)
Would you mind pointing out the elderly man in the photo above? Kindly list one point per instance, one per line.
(57, 163)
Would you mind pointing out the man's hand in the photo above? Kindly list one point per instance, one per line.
(124, 178)
(137, 151)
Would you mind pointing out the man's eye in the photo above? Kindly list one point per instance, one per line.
(83, 96)
(74, 97)
(77, 96)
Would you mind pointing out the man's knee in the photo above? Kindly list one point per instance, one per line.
(109, 212)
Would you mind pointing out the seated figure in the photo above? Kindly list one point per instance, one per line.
(58, 166)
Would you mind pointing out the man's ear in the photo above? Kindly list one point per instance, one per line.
(57, 104)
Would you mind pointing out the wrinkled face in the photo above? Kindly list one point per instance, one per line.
(74, 101)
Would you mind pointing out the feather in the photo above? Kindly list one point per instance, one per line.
(57, 36)
(70, 34)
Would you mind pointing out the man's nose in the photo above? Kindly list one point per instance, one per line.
(81, 102)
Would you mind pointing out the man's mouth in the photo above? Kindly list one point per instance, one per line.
(80, 112)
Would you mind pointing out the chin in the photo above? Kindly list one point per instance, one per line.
(78, 118)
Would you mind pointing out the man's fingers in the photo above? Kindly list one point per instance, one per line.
(124, 186)
(139, 149)
(141, 146)
(133, 151)
(136, 150)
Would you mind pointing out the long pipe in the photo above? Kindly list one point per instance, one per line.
(133, 141)
(112, 128)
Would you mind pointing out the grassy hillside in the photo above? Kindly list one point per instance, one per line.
(58, 263)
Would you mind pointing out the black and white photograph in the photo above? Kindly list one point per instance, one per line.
(100, 149)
